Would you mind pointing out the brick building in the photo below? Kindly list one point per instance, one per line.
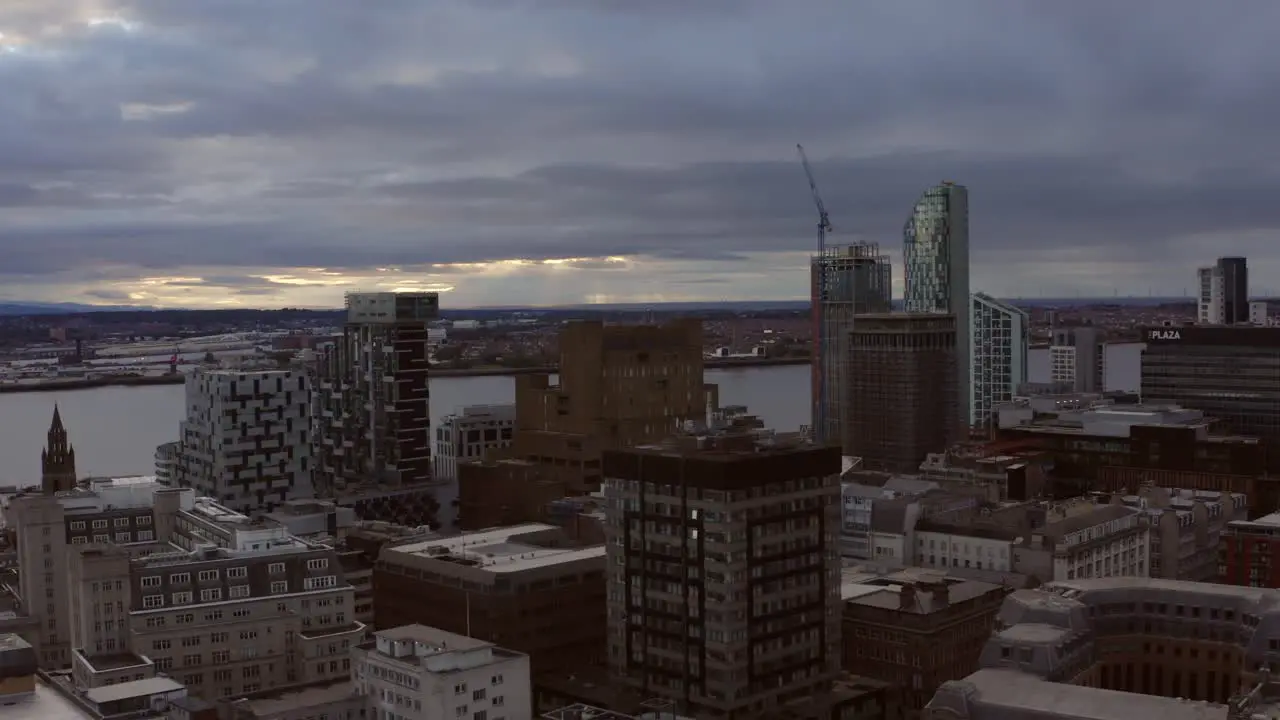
(527, 587)
(1247, 552)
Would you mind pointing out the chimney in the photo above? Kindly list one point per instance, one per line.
(907, 597)
(941, 594)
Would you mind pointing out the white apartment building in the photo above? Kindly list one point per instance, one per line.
(1211, 309)
(470, 435)
(999, 348)
(1078, 359)
(246, 438)
(1259, 313)
(415, 672)
(1091, 541)
(944, 548)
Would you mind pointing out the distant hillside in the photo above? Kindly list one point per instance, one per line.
(37, 308)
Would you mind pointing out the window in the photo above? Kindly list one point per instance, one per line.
(478, 695)
(180, 578)
(181, 598)
(238, 591)
(459, 688)
(145, 536)
(208, 575)
(238, 572)
(77, 525)
(279, 586)
(210, 594)
(99, 524)
(152, 601)
(151, 581)
(143, 520)
(122, 522)
(123, 537)
(318, 564)
(103, 538)
(316, 583)
(275, 568)
(79, 540)
(497, 680)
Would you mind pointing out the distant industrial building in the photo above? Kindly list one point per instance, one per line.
(471, 435)
(1224, 293)
(246, 439)
(1230, 373)
(1000, 348)
(905, 399)
(371, 409)
(1078, 359)
(936, 269)
(696, 616)
(847, 282)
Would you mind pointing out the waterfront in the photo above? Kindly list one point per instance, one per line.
(116, 429)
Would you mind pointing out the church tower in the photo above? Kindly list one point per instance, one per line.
(58, 461)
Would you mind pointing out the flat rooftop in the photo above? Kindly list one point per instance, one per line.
(499, 550)
(134, 688)
(439, 641)
(886, 592)
(999, 694)
(46, 704)
(114, 661)
(298, 698)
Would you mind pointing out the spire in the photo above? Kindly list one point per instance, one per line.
(58, 460)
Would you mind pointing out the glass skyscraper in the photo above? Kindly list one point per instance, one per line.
(935, 254)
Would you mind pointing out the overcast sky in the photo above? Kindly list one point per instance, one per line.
(280, 152)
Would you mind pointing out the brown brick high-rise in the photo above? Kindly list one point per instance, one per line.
(904, 401)
(620, 385)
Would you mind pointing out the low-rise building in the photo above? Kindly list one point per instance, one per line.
(18, 668)
(471, 435)
(916, 629)
(527, 587)
(1124, 647)
(1247, 551)
(422, 673)
(1186, 528)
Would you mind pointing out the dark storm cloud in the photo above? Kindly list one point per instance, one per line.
(324, 133)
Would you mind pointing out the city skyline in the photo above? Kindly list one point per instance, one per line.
(182, 154)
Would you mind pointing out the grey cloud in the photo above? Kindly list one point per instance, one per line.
(324, 133)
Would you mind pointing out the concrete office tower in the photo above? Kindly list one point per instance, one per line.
(902, 375)
(935, 255)
(246, 440)
(1224, 292)
(58, 460)
(1231, 374)
(371, 408)
(471, 435)
(723, 571)
(999, 363)
(845, 282)
(620, 385)
(1078, 359)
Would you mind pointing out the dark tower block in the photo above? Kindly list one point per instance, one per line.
(58, 461)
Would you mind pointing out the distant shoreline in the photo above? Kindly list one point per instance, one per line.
(179, 378)
(717, 364)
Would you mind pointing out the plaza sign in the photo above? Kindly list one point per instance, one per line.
(1164, 335)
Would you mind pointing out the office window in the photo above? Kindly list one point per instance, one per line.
(210, 594)
(152, 601)
(237, 572)
(208, 575)
(182, 598)
(238, 591)
(151, 581)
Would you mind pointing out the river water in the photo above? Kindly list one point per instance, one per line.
(115, 429)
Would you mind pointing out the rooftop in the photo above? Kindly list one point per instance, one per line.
(885, 591)
(114, 661)
(437, 641)
(297, 697)
(46, 704)
(134, 688)
(500, 550)
(992, 693)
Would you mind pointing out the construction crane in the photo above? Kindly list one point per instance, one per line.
(824, 221)
(820, 281)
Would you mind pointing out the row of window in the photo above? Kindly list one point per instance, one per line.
(233, 573)
(120, 522)
(122, 538)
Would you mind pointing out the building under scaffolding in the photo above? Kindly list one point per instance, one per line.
(847, 281)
